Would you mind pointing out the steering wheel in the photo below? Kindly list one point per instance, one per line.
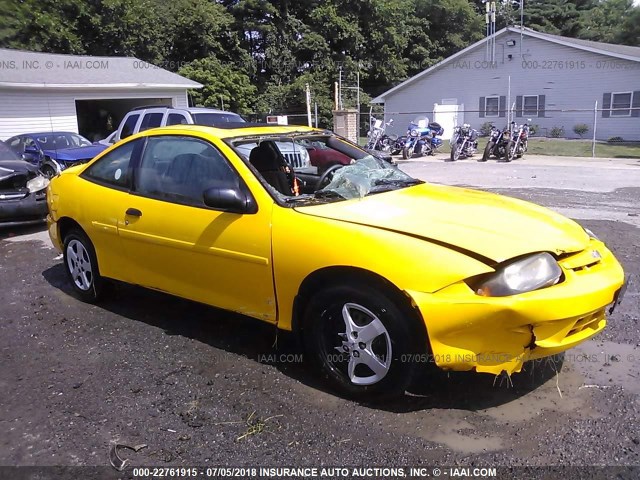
(327, 176)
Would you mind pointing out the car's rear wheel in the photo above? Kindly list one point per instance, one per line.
(361, 341)
(81, 266)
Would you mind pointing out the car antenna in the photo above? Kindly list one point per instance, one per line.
(55, 147)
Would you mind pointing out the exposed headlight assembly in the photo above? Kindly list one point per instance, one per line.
(414, 133)
(38, 183)
(591, 234)
(524, 275)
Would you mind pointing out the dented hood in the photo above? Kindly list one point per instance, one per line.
(75, 153)
(490, 225)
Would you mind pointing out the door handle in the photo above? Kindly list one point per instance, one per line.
(134, 212)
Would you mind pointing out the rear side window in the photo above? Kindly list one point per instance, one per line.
(177, 119)
(151, 120)
(129, 126)
(113, 168)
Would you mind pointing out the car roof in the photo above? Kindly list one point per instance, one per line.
(184, 109)
(236, 130)
(30, 134)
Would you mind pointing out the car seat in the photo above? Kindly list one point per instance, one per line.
(265, 159)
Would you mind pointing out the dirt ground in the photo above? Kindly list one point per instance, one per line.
(199, 386)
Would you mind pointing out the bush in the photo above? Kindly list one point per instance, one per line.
(533, 129)
(615, 139)
(485, 129)
(556, 132)
(581, 129)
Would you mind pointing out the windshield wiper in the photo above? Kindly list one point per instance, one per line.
(399, 182)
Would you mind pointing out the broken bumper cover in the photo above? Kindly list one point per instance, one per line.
(27, 208)
(496, 334)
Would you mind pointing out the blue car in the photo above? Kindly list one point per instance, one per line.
(52, 152)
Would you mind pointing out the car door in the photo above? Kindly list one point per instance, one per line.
(101, 200)
(177, 244)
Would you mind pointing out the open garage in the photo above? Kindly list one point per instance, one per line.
(82, 94)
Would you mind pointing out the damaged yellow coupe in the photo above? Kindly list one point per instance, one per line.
(375, 270)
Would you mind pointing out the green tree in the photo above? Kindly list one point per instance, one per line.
(612, 21)
(44, 25)
(224, 85)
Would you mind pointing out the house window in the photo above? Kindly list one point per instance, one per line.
(491, 106)
(530, 105)
(621, 104)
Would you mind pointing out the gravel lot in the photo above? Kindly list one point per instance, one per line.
(202, 387)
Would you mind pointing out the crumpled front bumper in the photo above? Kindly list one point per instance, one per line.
(30, 208)
(496, 334)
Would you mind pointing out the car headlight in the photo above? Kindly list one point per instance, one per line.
(525, 275)
(38, 183)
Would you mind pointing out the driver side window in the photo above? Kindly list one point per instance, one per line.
(179, 169)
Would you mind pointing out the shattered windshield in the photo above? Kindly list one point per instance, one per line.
(336, 168)
(367, 175)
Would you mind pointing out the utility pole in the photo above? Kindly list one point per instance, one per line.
(308, 95)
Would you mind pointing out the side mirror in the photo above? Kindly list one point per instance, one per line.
(228, 198)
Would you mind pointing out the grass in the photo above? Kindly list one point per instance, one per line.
(561, 147)
(565, 148)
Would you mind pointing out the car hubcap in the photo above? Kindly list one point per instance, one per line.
(79, 265)
(367, 343)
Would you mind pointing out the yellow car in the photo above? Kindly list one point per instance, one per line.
(375, 270)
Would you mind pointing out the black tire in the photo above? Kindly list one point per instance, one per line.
(325, 330)
(48, 171)
(81, 265)
(406, 154)
(510, 154)
(487, 152)
(455, 153)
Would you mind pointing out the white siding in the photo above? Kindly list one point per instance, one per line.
(571, 79)
(34, 110)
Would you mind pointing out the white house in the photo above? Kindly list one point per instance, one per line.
(82, 94)
(557, 82)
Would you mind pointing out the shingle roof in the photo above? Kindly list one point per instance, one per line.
(619, 51)
(20, 68)
(611, 48)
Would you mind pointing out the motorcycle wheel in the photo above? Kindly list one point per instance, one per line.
(487, 152)
(455, 153)
(510, 153)
(407, 152)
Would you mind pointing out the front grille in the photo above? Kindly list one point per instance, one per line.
(12, 195)
(586, 321)
(294, 159)
(583, 260)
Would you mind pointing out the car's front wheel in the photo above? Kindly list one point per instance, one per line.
(82, 266)
(361, 341)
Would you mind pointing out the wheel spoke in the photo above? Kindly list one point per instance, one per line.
(371, 331)
(371, 361)
(350, 325)
(85, 280)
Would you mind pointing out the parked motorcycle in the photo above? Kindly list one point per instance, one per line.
(498, 143)
(422, 138)
(377, 139)
(464, 142)
(518, 143)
